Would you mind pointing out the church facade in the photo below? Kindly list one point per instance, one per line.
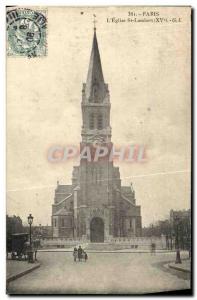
(95, 207)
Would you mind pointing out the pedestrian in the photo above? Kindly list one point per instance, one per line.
(80, 251)
(75, 253)
(36, 254)
(85, 256)
(153, 248)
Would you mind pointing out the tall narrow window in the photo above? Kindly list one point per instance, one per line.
(91, 121)
(130, 223)
(100, 122)
(95, 93)
(55, 222)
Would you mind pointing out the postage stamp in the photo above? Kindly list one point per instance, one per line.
(26, 32)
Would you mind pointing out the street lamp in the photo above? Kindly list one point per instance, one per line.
(30, 221)
(73, 226)
(171, 236)
(178, 256)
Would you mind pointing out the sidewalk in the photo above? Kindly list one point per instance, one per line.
(105, 251)
(16, 269)
(184, 267)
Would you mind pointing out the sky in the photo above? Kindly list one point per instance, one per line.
(147, 67)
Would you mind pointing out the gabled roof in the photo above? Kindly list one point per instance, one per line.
(63, 200)
(126, 199)
(62, 212)
(126, 189)
(124, 196)
(62, 188)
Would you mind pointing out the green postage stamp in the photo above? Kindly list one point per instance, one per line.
(26, 32)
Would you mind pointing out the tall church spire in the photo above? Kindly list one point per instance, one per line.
(95, 101)
(95, 81)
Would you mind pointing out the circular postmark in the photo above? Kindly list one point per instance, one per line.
(26, 33)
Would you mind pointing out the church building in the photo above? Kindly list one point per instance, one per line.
(95, 207)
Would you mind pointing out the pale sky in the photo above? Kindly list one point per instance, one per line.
(147, 67)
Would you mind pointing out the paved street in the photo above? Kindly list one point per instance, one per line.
(103, 273)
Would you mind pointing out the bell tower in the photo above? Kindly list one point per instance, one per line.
(95, 101)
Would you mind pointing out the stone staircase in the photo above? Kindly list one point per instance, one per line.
(106, 246)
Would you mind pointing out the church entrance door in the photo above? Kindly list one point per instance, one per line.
(97, 230)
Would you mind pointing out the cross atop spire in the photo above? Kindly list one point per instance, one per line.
(94, 22)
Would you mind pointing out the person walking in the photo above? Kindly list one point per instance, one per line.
(153, 248)
(75, 254)
(80, 251)
(85, 256)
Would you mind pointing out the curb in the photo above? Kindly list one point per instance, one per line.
(13, 277)
(178, 268)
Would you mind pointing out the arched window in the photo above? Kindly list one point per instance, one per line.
(100, 122)
(91, 121)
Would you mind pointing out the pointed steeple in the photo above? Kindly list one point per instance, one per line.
(95, 85)
(95, 101)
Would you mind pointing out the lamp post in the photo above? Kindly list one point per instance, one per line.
(30, 221)
(73, 226)
(171, 236)
(178, 256)
(188, 237)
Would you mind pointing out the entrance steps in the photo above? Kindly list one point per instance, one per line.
(106, 246)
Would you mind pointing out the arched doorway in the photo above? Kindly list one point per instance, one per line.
(97, 230)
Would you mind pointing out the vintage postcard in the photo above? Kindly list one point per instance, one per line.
(98, 150)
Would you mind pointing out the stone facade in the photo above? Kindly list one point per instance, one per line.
(95, 206)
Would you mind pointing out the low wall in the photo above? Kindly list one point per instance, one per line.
(118, 243)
